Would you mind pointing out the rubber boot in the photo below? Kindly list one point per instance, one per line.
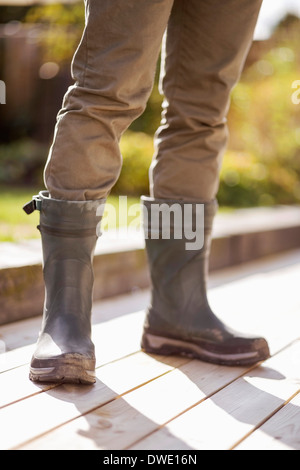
(179, 319)
(69, 231)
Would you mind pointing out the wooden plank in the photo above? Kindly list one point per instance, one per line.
(268, 279)
(22, 333)
(110, 342)
(11, 380)
(280, 432)
(15, 385)
(16, 358)
(229, 415)
(118, 424)
(19, 334)
(260, 283)
(265, 306)
(118, 337)
(257, 303)
(49, 409)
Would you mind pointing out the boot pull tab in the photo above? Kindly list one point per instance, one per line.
(34, 204)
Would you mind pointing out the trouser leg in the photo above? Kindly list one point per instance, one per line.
(113, 69)
(205, 48)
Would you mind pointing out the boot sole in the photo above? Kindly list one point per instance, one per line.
(69, 369)
(164, 346)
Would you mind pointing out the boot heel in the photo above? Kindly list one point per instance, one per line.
(153, 344)
(65, 371)
(67, 368)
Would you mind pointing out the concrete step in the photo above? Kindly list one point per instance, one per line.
(121, 264)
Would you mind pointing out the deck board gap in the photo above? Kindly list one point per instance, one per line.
(259, 425)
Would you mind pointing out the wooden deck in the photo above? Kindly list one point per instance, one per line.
(167, 403)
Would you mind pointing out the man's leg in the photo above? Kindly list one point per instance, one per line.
(205, 49)
(114, 68)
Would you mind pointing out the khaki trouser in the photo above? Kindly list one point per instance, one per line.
(204, 51)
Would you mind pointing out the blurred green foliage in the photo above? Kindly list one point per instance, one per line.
(22, 162)
(15, 225)
(63, 29)
(262, 164)
(137, 151)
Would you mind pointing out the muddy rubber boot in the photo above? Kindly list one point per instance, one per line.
(179, 319)
(69, 231)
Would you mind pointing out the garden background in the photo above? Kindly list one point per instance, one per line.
(262, 163)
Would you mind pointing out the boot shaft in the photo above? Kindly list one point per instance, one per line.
(69, 232)
(178, 274)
